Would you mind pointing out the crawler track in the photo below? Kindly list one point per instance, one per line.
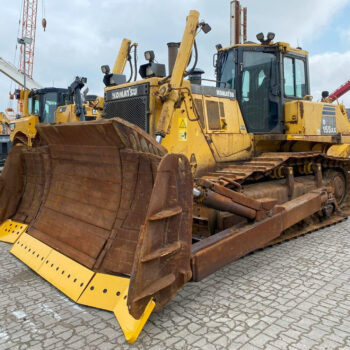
(268, 164)
(291, 234)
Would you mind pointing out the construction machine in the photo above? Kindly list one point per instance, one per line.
(179, 178)
(49, 105)
(5, 143)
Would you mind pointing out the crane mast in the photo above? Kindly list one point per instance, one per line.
(342, 90)
(29, 16)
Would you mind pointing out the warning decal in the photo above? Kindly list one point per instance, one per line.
(182, 129)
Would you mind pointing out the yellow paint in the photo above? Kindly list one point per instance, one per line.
(339, 151)
(31, 251)
(231, 142)
(281, 45)
(5, 120)
(198, 144)
(65, 274)
(66, 113)
(81, 284)
(130, 326)
(110, 293)
(122, 57)
(305, 118)
(24, 128)
(104, 291)
(10, 231)
(170, 91)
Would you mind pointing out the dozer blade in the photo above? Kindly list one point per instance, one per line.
(113, 227)
(22, 185)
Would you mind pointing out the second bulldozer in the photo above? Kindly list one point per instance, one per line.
(179, 179)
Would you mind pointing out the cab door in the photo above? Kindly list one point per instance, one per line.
(258, 89)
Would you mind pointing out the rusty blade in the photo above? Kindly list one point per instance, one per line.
(162, 262)
(11, 183)
(101, 176)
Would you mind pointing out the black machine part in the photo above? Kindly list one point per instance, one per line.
(74, 90)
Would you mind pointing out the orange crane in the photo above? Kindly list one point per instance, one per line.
(29, 17)
(27, 40)
(343, 89)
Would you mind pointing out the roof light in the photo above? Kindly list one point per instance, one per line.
(270, 36)
(149, 55)
(260, 37)
(105, 69)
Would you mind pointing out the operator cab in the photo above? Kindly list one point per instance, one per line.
(265, 77)
(44, 103)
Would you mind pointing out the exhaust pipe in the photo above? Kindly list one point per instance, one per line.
(173, 48)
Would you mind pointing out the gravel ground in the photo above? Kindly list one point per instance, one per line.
(292, 296)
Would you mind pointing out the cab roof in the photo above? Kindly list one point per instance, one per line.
(282, 46)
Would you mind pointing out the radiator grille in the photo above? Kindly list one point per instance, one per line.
(132, 109)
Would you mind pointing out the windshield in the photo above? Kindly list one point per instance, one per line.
(258, 78)
(50, 104)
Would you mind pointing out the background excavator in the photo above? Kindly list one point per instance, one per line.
(179, 178)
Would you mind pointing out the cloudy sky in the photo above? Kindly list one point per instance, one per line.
(82, 35)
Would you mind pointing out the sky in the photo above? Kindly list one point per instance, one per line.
(82, 35)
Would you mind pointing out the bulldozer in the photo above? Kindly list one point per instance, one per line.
(5, 143)
(51, 104)
(179, 178)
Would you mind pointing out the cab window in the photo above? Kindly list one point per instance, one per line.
(294, 77)
(50, 105)
(226, 67)
(34, 105)
(300, 81)
(245, 86)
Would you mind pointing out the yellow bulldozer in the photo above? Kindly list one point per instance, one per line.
(179, 178)
(51, 104)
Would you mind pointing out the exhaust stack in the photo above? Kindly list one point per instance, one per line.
(173, 48)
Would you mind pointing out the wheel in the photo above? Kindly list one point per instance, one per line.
(337, 180)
